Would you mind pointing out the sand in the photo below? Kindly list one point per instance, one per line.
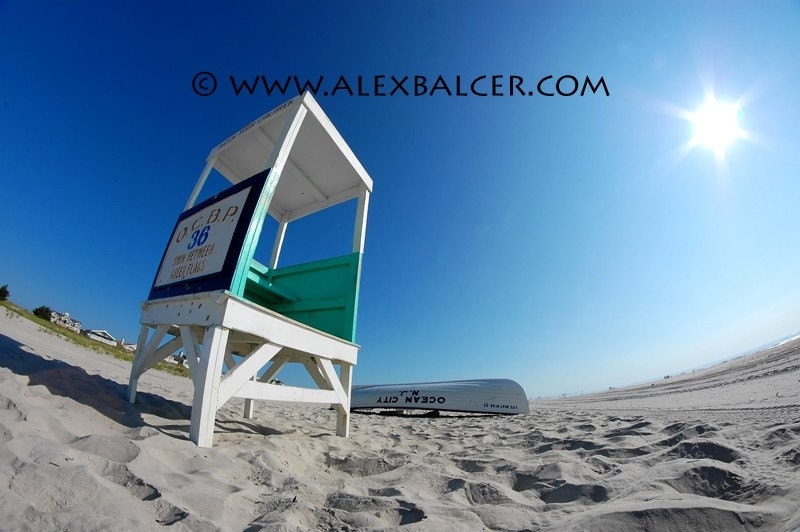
(717, 449)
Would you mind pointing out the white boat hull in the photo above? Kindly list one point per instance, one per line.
(488, 396)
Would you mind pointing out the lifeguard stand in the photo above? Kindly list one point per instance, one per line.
(238, 321)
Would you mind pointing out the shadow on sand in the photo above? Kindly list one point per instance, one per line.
(107, 396)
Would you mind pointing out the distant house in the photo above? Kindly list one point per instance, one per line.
(178, 359)
(126, 346)
(100, 336)
(65, 321)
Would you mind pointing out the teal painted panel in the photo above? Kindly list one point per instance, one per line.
(322, 294)
(239, 283)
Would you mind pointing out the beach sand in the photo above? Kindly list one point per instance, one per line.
(717, 449)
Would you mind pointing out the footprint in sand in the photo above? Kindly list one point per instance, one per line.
(114, 448)
(705, 449)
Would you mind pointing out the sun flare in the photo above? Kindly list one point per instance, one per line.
(716, 125)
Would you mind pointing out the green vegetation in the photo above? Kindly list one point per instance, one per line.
(4, 293)
(78, 339)
(43, 312)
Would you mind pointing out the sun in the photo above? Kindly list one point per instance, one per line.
(716, 125)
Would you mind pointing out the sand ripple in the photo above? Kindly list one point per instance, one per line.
(713, 450)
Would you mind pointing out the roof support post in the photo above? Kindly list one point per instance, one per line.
(361, 221)
(276, 248)
(200, 182)
(276, 161)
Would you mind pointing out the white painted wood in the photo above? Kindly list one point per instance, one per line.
(244, 370)
(332, 380)
(332, 200)
(157, 355)
(321, 163)
(312, 105)
(149, 347)
(277, 159)
(192, 351)
(144, 333)
(342, 412)
(276, 392)
(141, 345)
(306, 182)
(229, 361)
(298, 172)
(201, 181)
(272, 114)
(360, 232)
(249, 407)
(223, 168)
(198, 309)
(242, 325)
(247, 317)
(278, 362)
(276, 248)
(312, 168)
(343, 405)
(316, 374)
(206, 386)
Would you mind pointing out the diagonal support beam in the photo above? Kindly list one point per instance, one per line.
(326, 368)
(244, 371)
(154, 357)
(278, 361)
(277, 364)
(190, 345)
(147, 349)
(316, 374)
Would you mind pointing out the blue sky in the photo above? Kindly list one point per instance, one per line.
(570, 243)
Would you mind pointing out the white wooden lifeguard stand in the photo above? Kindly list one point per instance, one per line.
(239, 321)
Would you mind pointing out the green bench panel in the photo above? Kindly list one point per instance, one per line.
(322, 294)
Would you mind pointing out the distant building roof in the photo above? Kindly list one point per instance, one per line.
(101, 333)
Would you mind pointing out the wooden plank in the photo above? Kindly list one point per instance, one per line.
(316, 374)
(276, 248)
(160, 354)
(334, 199)
(333, 381)
(276, 392)
(229, 361)
(259, 282)
(342, 412)
(244, 316)
(244, 370)
(196, 309)
(200, 182)
(191, 348)
(327, 125)
(206, 386)
(311, 304)
(141, 347)
(360, 232)
(277, 364)
(282, 109)
(149, 348)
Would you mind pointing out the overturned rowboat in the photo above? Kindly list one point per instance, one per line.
(484, 396)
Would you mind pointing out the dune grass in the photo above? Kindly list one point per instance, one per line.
(83, 341)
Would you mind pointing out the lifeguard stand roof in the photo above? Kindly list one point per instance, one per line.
(321, 169)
